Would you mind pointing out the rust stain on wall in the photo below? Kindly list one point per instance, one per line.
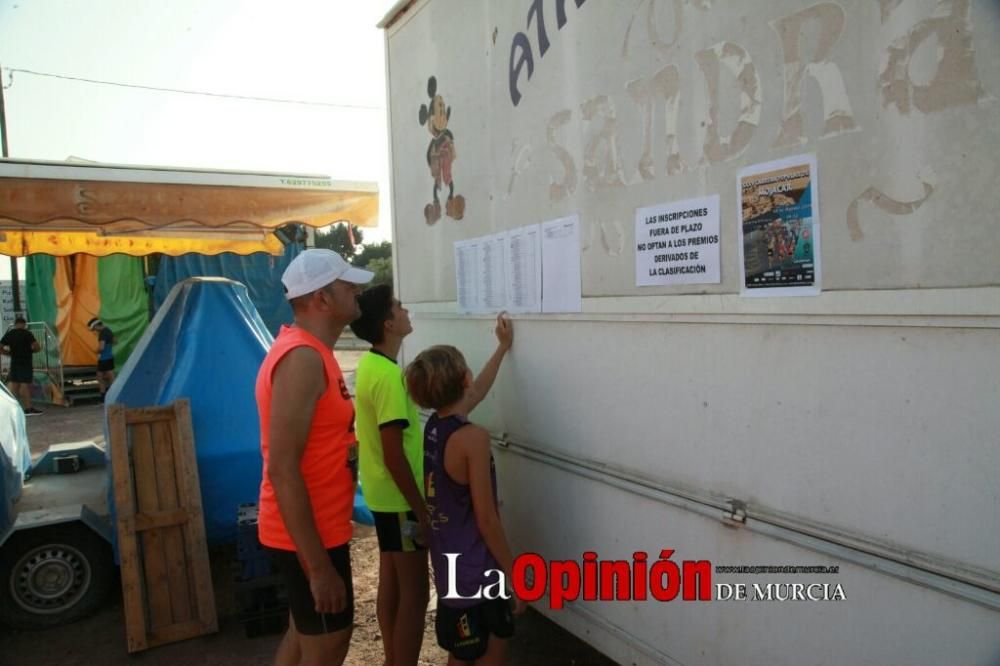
(837, 114)
(560, 190)
(887, 204)
(665, 85)
(652, 24)
(955, 82)
(735, 58)
(602, 163)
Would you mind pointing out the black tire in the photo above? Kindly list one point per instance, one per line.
(53, 575)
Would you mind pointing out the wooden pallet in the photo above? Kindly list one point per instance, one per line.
(166, 582)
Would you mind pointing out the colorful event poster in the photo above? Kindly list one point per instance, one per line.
(677, 243)
(779, 228)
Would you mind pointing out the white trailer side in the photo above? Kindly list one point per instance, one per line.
(858, 428)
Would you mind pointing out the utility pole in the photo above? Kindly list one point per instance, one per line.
(3, 117)
(15, 285)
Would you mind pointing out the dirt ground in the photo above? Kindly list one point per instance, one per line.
(100, 639)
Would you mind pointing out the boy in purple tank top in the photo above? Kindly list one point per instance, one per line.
(466, 538)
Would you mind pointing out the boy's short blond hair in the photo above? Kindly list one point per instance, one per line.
(436, 377)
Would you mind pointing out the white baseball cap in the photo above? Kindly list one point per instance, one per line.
(315, 268)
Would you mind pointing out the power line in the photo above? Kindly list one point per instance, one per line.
(275, 100)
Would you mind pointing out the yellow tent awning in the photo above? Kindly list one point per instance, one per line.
(63, 243)
(61, 209)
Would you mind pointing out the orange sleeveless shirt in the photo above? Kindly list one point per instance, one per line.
(324, 464)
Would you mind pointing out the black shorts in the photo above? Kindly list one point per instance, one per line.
(389, 528)
(300, 599)
(21, 373)
(465, 632)
(106, 365)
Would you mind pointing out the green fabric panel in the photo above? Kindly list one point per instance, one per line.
(40, 302)
(124, 302)
(40, 296)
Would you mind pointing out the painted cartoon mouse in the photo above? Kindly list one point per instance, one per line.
(440, 155)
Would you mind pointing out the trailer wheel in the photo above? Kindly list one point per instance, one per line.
(53, 575)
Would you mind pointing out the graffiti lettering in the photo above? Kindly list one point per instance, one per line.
(521, 55)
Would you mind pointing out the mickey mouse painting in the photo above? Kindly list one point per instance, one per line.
(440, 155)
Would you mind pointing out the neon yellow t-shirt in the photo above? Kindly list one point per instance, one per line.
(381, 400)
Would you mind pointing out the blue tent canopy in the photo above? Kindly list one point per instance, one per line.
(261, 273)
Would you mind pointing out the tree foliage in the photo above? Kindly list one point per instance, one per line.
(375, 257)
(336, 238)
(369, 252)
(382, 267)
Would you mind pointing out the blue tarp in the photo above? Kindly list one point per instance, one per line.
(206, 344)
(261, 273)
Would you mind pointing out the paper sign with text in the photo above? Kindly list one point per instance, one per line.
(677, 243)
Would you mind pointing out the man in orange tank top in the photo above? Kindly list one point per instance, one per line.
(307, 431)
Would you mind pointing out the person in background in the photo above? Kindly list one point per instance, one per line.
(20, 344)
(105, 355)
(307, 433)
(461, 490)
(391, 463)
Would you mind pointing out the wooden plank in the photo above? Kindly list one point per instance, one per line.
(166, 578)
(174, 518)
(137, 415)
(165, 453)
(148, 502)
(132, 592)
(194, 531)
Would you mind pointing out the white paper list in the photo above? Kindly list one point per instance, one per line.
(466, 273)
(493, 279)
(524, 269)
(561, 290)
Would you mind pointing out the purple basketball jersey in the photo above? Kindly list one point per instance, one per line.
(453, 519)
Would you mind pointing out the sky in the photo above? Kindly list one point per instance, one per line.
(325, 52)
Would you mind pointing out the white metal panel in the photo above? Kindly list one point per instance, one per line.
(868, 412)
(882, 621)
(880, 431)
(415, 55)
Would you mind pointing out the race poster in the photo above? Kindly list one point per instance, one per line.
(779, 228)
